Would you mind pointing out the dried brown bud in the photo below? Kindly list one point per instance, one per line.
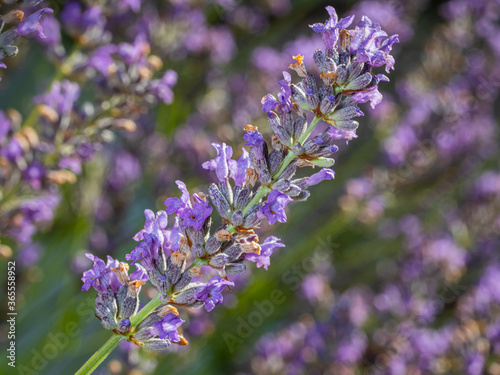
(61, 177)
(195, 272)
(145, 73)
(125, 124)
(250, 128)
(155, 62)
(47, 112)
(178, 258)
(5, 251)
(136, 284)
(121, 272)
(23, 141)
(299, 66)
(304, 163)
(13, 16)
(223, 235)
(251, 177)
(252, 247)
(15, 117)
(31, 135)
(164, 310)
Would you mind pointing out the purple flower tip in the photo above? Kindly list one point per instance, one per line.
(253, 138)
(211, 293)
(266, 250)
(324, 174)
(166, 329)
(274, 207)
(32, 23)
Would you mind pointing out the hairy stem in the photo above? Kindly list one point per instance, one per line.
(288, 159)
(100, 355)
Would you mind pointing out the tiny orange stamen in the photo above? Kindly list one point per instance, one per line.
(250, 128)
(299, 58)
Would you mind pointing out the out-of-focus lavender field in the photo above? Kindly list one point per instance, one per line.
(392, 268)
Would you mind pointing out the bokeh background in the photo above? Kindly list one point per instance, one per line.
(391, 268)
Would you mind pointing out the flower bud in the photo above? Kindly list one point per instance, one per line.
(242, 199)
(237, 218)
(128, 301)
(235, 268)
(219, 260)
(183, 282)
(219, 201)
(105, 309)
(275, 159)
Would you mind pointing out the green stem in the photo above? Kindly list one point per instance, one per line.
(105, 350)
(288, 159)
(261, 193)
(100, 355)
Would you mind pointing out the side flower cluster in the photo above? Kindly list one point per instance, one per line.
(255, 187)
(21, 26)
(48, 147)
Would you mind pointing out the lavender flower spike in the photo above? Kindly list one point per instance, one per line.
(178, 260)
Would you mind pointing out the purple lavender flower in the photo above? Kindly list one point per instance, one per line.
(80, 23)
(162, 88)
(52, 32)
(34, 174)
(283, 104)
(12, 150)
(61, 97)
(154, 225)
(174, 204)
(369, 43)
(266, 250)
(324, 174)
(140, 274)
(102, 60)
(193, 213)
(274, 207)
(30, 254)
(146, 251)
(31, 24)
(474, 363)
(238, 169)
(253, 138)
(114, 282)
(124, 170)
(72, 163)
(134, 5)
(166, 328)
(96, 276)
(220, 164)
(211, 293)
(348, 135)
(330, 29)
